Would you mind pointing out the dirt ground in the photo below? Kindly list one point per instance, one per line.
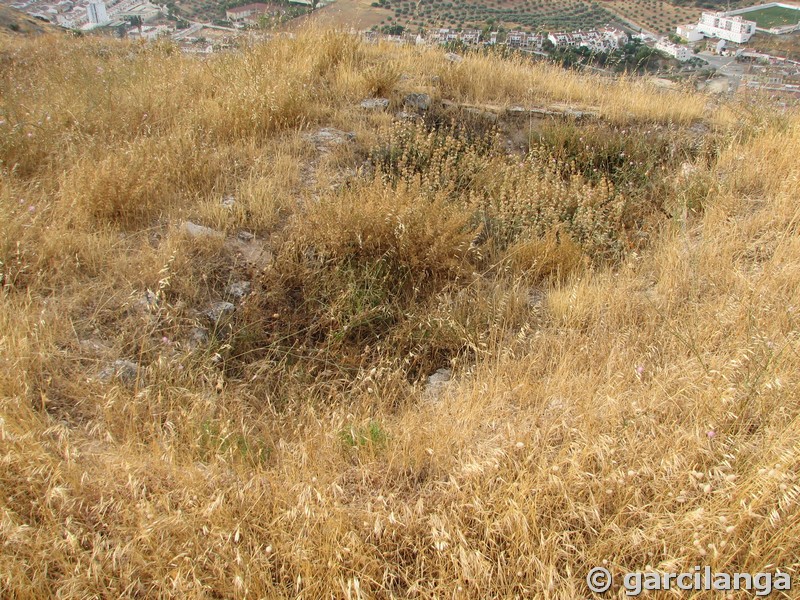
(350, 13)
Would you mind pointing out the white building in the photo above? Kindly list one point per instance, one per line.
(471, 36)
(615, 36)
(682, 53)
(536, 40)
(604, 40)
(732, 29)
(562, 39)
(689, 33)
(67, 20)
(150, 32)
(517, 38)
(96, 11)
(442, 36)
(249, 11)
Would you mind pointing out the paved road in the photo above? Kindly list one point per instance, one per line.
(726, 66)
(191, 30)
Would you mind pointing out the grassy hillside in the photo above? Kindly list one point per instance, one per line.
(609, 270)
(14, 22)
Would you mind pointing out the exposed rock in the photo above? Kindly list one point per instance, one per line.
(687, 170)
(453, 57)
(328, 136)
(579, 114)
(418, 101)
(93, 347)
(219, 310)
(238, 290)
(551, 111)
(253, 252)
(699, 128)
(375, 103)
(437, 383)
(196, 231)
(122, 370)
(308, 174)
(482, 114)
(198, 336)
(664, 83)
(146, 303)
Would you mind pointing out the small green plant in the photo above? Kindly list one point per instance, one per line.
(370, 435)
(215, 440)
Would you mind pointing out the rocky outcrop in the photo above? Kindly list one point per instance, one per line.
(375, 103)
(417, 101)
(327, 137)
(122, 370)
(193, 230)
(437, 384)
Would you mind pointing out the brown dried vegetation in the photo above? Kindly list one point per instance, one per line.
(617, 300)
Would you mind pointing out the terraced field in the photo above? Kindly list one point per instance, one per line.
(199, 10)
(661, 16)
(424, 14)
(654, 15)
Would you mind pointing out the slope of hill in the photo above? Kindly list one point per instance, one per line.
(262, 341)
(13, 21)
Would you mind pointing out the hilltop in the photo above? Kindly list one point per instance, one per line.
(321, 318)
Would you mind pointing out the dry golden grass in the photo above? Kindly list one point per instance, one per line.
(626, 361)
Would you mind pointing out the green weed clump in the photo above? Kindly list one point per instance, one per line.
(353, 276)
(594, 203)
(378, 273)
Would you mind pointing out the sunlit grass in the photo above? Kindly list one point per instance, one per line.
(617, 301)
